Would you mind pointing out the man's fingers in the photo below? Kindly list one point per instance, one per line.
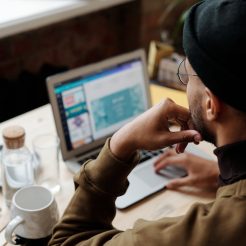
(176, 183)
(166, 154)
(178, 160)
(183, 137)
(180, 148)
(176, 111)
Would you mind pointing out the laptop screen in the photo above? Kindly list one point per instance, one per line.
(96, 105)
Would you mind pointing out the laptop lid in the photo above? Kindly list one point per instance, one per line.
(92, 102)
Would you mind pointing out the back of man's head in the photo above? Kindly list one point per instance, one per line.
(214, 41)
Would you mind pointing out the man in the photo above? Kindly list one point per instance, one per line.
(214, 42)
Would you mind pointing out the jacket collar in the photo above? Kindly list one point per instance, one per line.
(235, 189)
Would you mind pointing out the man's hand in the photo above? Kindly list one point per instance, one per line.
(151, 130)
(202, 173)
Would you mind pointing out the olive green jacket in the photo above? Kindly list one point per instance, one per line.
(88, 218)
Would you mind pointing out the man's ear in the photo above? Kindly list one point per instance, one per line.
(212, 105)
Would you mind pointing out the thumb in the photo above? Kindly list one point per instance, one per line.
(176, 183)
(184, 137)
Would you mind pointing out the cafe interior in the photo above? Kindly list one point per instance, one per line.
(58, 102)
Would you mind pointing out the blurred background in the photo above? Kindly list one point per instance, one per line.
(39, 38)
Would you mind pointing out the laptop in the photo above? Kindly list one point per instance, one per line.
(91, 103)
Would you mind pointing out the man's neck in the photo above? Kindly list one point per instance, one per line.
(228, 134)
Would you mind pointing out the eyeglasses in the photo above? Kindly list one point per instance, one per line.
(182, 73)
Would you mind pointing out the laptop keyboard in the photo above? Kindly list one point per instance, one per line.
(169, 172)
(146, 154)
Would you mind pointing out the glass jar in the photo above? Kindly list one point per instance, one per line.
(17, 167)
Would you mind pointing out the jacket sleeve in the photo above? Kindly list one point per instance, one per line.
(88, 217)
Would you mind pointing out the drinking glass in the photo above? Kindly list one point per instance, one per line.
(46, 155)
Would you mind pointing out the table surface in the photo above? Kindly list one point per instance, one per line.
(163, 203)
(23, 15)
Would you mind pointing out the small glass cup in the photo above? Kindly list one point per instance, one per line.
(46, 161)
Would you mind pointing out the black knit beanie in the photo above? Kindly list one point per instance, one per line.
(214, 41)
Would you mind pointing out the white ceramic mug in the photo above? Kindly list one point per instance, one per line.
(34, 213)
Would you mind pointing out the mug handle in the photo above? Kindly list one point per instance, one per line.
(11, 227)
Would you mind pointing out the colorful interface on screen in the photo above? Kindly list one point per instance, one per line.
(96, 105)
